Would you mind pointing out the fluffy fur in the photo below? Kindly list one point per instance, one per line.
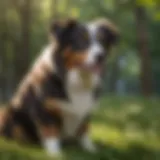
(61, 89)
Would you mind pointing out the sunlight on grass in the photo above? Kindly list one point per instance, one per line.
(127, 121)
(122, 139)
(128, 129)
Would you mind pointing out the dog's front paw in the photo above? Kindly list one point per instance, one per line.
(52, 146)
(87, 144)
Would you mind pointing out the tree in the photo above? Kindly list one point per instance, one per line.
(22, 57)
(142, 37)
(3, 53)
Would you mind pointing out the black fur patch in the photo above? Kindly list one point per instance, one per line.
(71, 34)
(107, 37)
(53, 87)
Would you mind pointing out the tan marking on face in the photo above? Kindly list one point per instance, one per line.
(74, 59)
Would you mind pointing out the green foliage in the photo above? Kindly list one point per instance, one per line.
(121, 12)
(148, 3)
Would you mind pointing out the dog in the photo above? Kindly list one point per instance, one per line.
(57, 96)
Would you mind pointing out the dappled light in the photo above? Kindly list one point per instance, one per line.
(122, 128)
(125, 125)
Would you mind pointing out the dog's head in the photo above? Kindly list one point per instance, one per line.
(84, 46)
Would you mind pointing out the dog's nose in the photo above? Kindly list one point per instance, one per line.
(100, 58)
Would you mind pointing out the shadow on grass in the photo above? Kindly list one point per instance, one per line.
(106, 152)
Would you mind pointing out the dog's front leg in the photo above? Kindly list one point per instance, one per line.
(84, 137)
(50, 137)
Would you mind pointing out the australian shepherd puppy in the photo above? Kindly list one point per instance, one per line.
(59, 93)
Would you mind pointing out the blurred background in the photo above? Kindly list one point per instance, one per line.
(134, 68)
(132, 83)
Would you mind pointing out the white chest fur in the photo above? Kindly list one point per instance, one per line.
(80, 91)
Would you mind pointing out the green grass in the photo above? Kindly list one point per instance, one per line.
(124, 129)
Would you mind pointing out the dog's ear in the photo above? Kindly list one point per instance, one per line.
(108, 32)
(61, 28)
(109, 37)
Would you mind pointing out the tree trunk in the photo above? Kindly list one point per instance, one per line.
(23, 55)
(114, 76)
(3, 50)
(142, 34)
(3, 41)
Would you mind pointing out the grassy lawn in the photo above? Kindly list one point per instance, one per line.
(124, 129)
